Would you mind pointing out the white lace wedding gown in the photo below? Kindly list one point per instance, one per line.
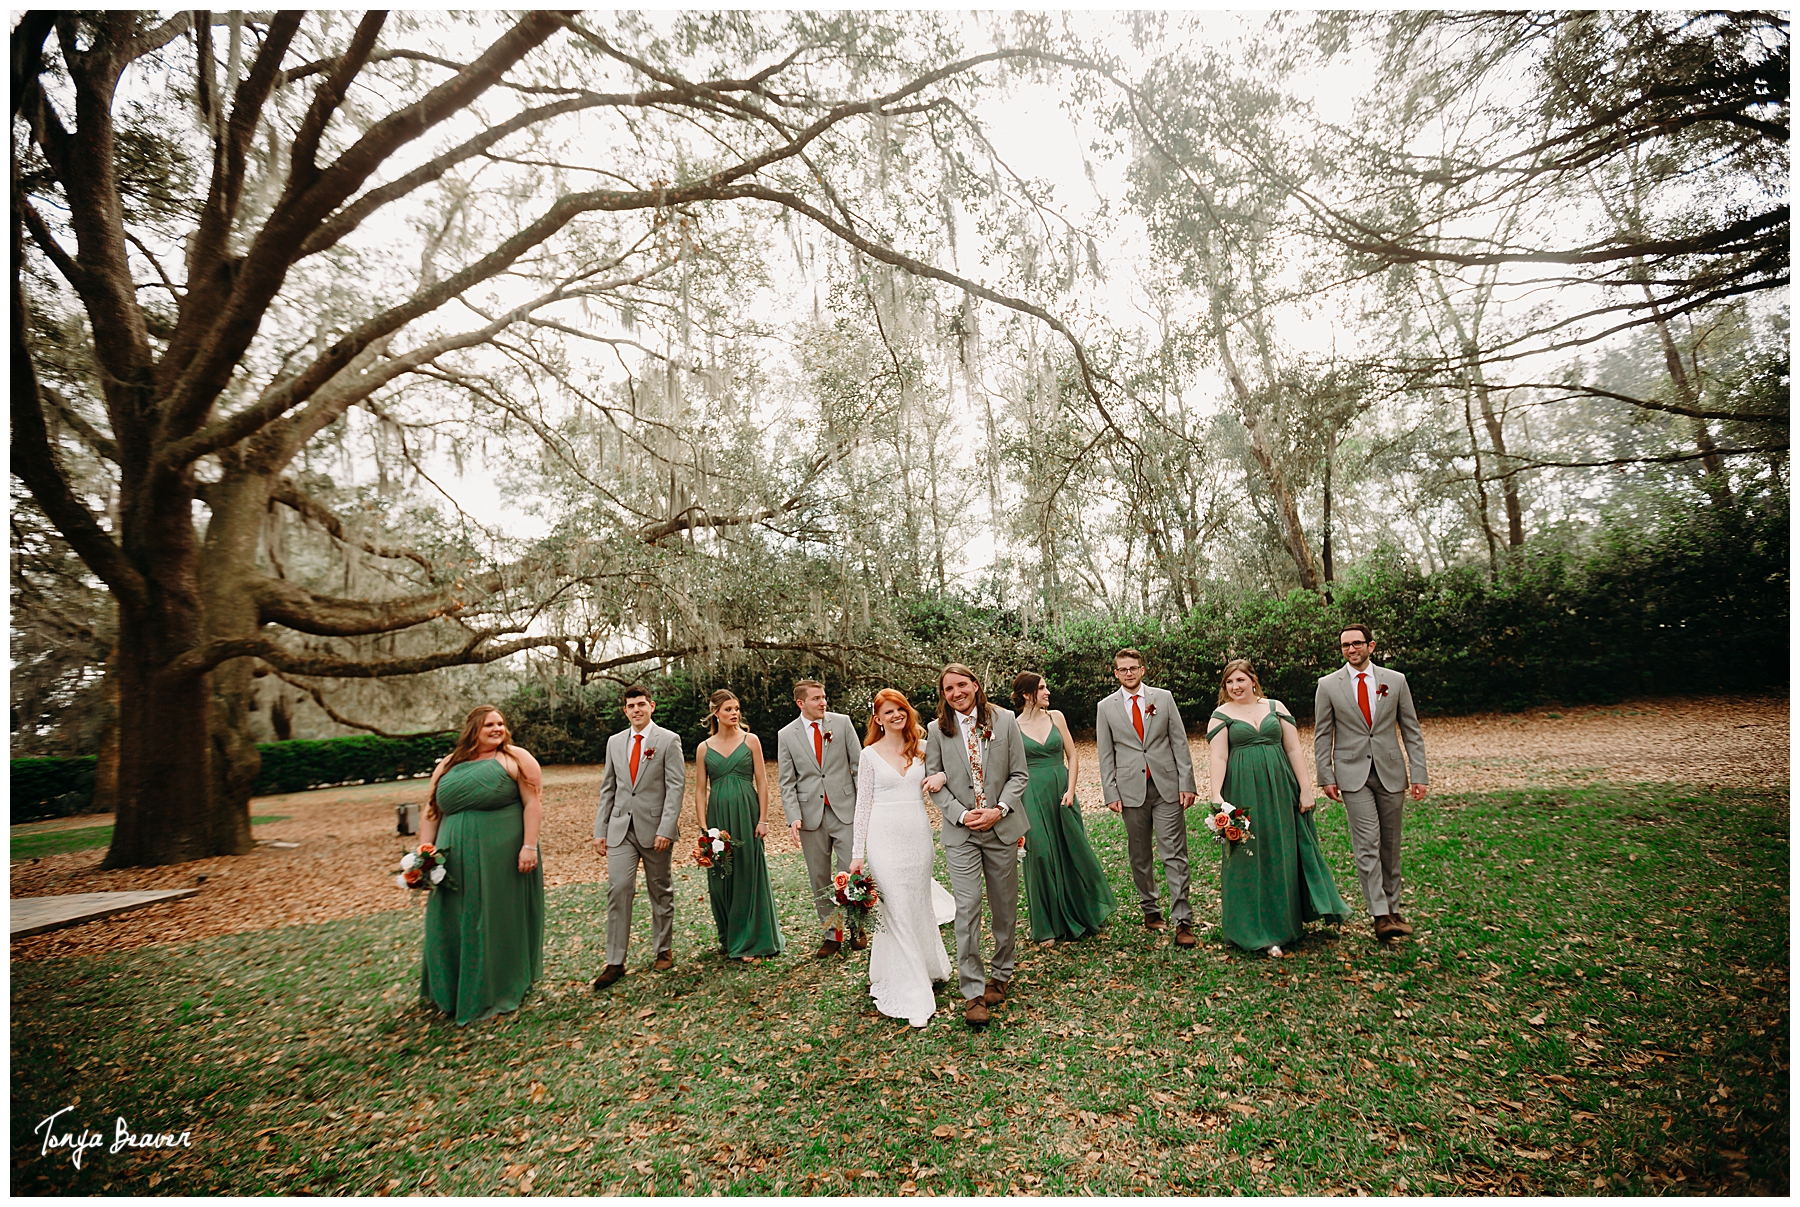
(906, 953)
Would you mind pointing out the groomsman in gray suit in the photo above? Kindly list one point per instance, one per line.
(638, 819)
(1357, 712)
(975, 772)
(817, 755)
(1147, 776)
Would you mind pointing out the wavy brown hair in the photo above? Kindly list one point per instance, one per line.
(914, 743)
(946, 716)
(464, 750)
(1232, 668)
(1025, 687)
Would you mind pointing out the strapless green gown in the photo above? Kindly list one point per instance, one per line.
(743, 903)
(1273, 884)
(484, 940)
(1067, 891)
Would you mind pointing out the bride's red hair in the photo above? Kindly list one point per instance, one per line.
(914, 744)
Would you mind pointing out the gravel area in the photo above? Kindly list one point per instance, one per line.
(347, 840)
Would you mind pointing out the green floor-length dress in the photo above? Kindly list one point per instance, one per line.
(484, 939)
(743, 903)
(1278, 880)
(1067, 891)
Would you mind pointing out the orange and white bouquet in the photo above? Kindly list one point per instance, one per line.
(425, 869)
(1230, 825)
(714, 850)
(856, 900)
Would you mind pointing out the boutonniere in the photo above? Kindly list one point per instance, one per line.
(1381, 689)
(649, 752)
(826, 733)
(1150, 711)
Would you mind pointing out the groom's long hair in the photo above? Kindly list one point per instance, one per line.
(946, 716)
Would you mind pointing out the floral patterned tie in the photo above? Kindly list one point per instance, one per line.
(975, 765)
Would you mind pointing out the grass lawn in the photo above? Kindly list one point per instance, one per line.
(1596, 1001)
(83, 838)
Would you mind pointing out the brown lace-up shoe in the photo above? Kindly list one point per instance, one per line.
(858, 941)
(612, 974)
(1154, 922)
(665, 960)
(1184, 934)
(827, 949)
(1385, 928)
(1401, 924)
(976, 1013)
(996, 993)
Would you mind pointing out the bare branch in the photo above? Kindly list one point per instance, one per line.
(290, 495)
(319, 699)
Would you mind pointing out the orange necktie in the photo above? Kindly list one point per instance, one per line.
(1362, 698)
(637, 746)
(1137, 718)
(818, 745)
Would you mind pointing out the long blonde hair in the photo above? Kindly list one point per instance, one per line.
(715, 702)
(466, 743)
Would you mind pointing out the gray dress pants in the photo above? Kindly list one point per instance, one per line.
(1374, 815)
(818, 845)
(621, 892)
(983, 863)
(1163, 823)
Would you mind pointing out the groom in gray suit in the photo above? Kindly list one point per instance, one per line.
(975, 772)
(1147, 776)
(638, 819)
(1356, 713)
(817, 757)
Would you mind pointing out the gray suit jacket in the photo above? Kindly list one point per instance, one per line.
(1346, 749)
(805, 785)
(651, 807)
(1003, 777)
(1124, 757)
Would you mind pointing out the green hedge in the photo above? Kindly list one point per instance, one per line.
(299, 765)
(43, 788)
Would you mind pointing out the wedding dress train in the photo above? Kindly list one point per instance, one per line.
(893, 837)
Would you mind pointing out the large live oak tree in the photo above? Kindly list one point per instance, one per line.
(204, 418)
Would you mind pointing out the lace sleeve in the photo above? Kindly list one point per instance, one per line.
(865, 805)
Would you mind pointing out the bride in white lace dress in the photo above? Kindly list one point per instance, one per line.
(906, 955)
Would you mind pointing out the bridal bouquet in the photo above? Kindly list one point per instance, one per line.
(715, 849)
(1230, 825)
(856, 899)
(424, 869)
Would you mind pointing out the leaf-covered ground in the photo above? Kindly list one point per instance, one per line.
(1596, 1001)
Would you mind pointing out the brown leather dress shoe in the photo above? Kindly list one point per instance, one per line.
(612, 974)
(1184, 934)
(976, 1013)
(1154, 922)
(1400, 924)
(665, 960)
(858, 941)
(996, 993)
(1385, 928)
(827, 949)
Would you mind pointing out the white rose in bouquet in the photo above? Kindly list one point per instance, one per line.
(409, 861)
(718, 847)
(438, 874)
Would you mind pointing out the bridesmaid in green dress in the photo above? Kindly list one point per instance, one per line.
(1069, 896)
(732, 793)
(1277, 880)
(484, 939)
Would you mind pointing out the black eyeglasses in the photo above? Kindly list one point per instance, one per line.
(1351, 645)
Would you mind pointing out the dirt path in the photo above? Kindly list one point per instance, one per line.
(348, 844)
